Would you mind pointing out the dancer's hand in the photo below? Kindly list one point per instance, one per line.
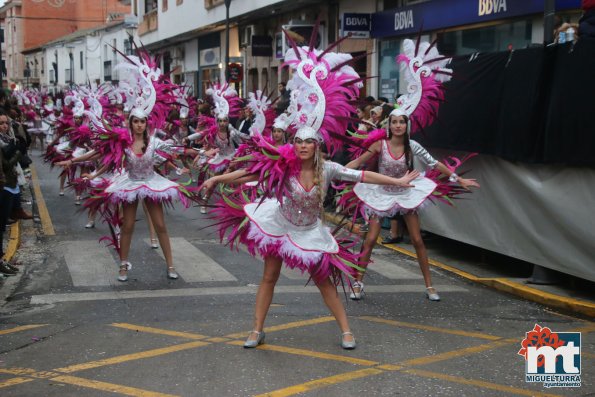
(208, 186)
(65, 163)
(468, 183)
(87, 176)
(405, 180)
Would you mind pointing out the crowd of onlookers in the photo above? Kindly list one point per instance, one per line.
(14, 170)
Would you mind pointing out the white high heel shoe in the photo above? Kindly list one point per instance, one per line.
(359, 293)
(432, 295)
(124, 267)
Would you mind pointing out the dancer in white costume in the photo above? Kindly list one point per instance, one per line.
(287, 227)
(396, 154)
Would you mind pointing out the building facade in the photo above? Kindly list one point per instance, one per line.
(27, 24)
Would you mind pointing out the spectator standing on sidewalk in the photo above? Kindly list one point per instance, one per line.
(283, 101)
(586, 25)
(9, 189)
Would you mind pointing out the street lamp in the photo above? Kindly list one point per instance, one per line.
(227, 4)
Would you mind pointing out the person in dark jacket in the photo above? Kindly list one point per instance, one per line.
(586, 25)
(9, 190)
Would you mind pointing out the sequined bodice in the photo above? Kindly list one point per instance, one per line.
(225, 147)
(140, 167)
(391, 166)
(301, 207)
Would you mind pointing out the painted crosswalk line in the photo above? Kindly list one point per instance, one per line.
(90, 264)
(194, 265)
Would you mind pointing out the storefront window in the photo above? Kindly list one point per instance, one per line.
(502, 37)
(389, 73)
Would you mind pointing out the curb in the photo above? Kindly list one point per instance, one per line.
(500, 284)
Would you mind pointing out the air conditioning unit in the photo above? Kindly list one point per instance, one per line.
(301, 33)
(246, 35)
(210, 56)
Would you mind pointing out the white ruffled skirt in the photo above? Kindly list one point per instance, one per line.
(386, 201)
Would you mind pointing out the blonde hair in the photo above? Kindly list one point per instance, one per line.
(318, 179)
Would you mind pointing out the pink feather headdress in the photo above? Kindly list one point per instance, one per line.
(324, 88)
(424, 71)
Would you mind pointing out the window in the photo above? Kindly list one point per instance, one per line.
(163, 5)
(81, 59)
(150, 5)
(179, 2)
(107, 71)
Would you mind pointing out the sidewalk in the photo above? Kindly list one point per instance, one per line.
(496, 271)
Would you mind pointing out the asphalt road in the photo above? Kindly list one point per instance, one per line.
(70, 329)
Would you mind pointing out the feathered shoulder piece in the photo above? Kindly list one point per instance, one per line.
(424, 71)
(111, 142)
(274, 165)
(362, 141)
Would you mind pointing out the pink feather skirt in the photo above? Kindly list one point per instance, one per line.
(312, 248)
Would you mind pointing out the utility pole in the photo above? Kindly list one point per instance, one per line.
(227, 4)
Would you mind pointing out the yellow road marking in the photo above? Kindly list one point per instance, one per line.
(14, 381)
(457, 353)
(131, 357)
(151, 330)
(17, 371)
(283, 327)
(20, 328)
(430, 328)
(390, 367)
(590, 327)
(44, 215)
(324, 382)
(14, 241)
(478, 383)
(104, 386)
(310, 353)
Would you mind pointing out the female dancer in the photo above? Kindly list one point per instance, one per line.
(395, 158)
(291, 229)
(396, 154)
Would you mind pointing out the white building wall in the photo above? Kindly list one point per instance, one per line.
(176, 20)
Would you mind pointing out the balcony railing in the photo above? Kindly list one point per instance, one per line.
(149, 23)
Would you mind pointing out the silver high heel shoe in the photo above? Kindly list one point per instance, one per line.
(124, 266)
(154, 244)
(357, 295)
(172, 274)
(432, 295)
(251, 343)
(90, 225)
(347, 345)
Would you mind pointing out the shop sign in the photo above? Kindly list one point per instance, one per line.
(262, 46)
(358, 25)
(442, 14)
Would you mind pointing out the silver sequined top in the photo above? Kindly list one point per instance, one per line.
(140, 167)
(389, 165)
(301, 207)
